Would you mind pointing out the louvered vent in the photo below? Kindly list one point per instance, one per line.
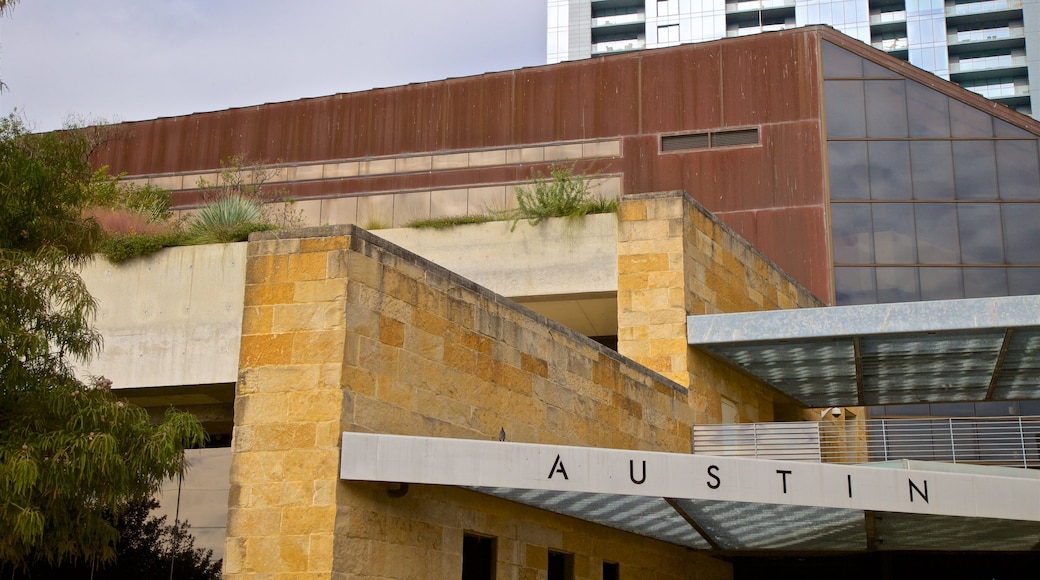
(711, 140)
(680, 142)
(733, 138)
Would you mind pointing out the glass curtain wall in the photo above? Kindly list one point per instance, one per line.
(930, 198)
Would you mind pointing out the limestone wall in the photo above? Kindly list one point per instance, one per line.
(675, 259)
(344, 331)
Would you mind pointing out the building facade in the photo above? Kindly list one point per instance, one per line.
(988, 47)
(783, 171)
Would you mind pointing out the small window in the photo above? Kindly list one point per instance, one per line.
(611, 571)
(478, 557)
(561, 566)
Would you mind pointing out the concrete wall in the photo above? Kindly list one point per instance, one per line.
(172, 318)
(556, 257)
(345, 331)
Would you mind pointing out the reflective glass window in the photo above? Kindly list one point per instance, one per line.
(937, 237)
(1005, 129)
(931, 164)
(889, 169)
(894, 234)
(840, 63)
(851, 232)
(980, 231)
(941, 283)
(854, 286)
(1022, 233)
(845, 109)
(848, 169)
(886, 108)
(1018, 171)
(1023, 281)
(872, 70)
(975, 169)
(984, 282)
(927, 110)
(968, 121)
(897, 285)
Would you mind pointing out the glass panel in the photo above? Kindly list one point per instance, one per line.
(1005, 129)
(984, 282)
(931, 165)
(851, 232)
(975, 169)
(845, 109)
(928, 111)
(1018, 170)
(937, 240)
(981, 237)
(941, 283)
(873, 70)
(897, 285)
(838, 62)
(854, 286)
(894, 241)
(848, 169)
(1022, 233)
(968, 121)
(889, 169)
(1023, 281)
(886, 108)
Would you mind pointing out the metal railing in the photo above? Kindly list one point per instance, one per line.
(1005, 441)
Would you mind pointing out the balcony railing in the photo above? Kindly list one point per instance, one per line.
(891, 44)
(757, 5)
(991, 6)
(996, 62)
(618, 46)
(1005, 441)
(619, 20)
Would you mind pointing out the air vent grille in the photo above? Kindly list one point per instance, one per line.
(734, 138)
(680, 142)
(712, 140)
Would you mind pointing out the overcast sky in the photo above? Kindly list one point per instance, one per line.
(126, 60)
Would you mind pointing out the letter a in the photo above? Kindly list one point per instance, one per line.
(558, 468)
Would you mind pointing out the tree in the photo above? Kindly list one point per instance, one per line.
(70, 451)
(149, 549)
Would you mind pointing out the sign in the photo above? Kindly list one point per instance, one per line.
(471, 463)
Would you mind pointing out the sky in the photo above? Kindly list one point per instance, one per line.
(127, 60)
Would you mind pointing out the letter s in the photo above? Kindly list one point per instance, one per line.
(711, 473)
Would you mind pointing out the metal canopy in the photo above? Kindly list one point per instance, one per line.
(726, 505)
(977, 349)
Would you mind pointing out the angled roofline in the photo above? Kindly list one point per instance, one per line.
(948, 88)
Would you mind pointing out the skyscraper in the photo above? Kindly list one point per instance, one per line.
(991, 47)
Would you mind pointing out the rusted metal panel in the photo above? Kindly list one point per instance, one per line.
(769, 78)
(795, 238)
(680, 89)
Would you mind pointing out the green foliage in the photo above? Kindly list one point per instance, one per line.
(123, 247)
(135, 199)
(451, 221)
(564, 194)
(147, 548)
(241, 179)
(68, 450)
(229, 219)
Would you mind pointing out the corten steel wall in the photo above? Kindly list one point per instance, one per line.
(772, 194)
(344, 331)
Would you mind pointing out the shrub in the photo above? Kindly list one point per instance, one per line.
(563, 194)
(121, 248)
(229, 219)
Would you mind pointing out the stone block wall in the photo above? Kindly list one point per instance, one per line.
(675, 259)
(344, 331)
